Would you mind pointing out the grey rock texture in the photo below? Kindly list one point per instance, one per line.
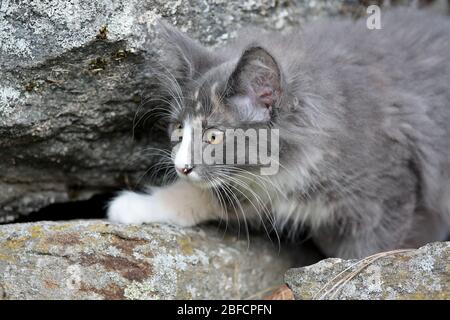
(73, 75)
(411, 274)
(97, 260)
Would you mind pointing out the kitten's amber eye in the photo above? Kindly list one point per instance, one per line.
(213, 136)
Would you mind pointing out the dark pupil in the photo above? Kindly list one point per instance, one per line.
(213, 137)
(179, 126)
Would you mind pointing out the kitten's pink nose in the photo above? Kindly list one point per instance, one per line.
(186, 170)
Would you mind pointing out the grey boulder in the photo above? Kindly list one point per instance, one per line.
(98, 260)
(402, 274)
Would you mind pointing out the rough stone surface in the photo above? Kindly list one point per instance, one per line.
(98, 260)
(74, 73)
(413, 274)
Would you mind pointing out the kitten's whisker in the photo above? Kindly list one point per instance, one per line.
(257, 199)
(234, 199)
(263, 206)
(222, 204)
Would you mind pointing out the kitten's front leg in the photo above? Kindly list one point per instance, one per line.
(181, 204)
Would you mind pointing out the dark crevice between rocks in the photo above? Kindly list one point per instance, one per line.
(93, 208)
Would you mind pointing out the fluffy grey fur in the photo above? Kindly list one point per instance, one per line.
(364, 126)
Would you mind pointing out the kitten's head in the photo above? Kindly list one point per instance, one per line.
(218, 104)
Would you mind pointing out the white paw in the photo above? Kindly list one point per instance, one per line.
(131, 207)
(173, 205)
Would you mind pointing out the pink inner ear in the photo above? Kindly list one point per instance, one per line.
(266, 96)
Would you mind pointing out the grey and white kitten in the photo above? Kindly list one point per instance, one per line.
(364, 123)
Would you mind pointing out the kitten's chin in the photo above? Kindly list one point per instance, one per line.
(201, 183)
(196, 180)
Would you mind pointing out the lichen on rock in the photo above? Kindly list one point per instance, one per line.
(402, 274)
(99, 260)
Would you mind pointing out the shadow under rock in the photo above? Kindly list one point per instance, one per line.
(93, 208)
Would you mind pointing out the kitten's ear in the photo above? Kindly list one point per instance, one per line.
(190, 56)
(256, 81)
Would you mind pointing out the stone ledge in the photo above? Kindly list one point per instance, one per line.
(99, 260)
(413, 274)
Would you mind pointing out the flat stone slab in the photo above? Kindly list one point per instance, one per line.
(99, 260)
